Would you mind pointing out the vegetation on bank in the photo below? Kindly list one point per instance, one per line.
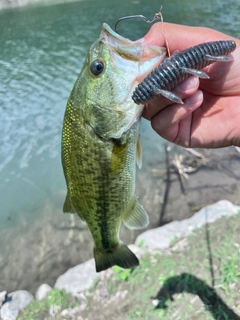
(55, 302)
(197, 278)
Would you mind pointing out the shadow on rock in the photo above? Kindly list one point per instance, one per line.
(191, 284)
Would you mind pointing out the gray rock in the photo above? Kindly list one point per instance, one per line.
(82, 276)
(53, 311)
(16, 301)
(42, 291)
(138, 251)
(78, 278)
(3, 295)
(160, 238)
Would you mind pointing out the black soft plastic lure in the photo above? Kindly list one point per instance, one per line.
(180, 66)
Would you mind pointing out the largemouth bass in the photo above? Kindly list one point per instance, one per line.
(100, 143)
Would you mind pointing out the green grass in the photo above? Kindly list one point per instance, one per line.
(200, 281)
(39, 310)
(123, 274)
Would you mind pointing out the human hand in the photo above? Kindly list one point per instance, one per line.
(210, 115)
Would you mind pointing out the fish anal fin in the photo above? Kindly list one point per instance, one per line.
(139, 153)
(121, 256)
(136, 217)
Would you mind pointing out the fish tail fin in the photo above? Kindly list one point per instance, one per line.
(121, 256)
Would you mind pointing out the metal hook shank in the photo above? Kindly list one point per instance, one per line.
(157, 16)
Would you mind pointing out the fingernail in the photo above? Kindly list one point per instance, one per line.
(195, 99)
(188, 84)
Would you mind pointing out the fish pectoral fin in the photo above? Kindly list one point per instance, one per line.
(136, 217)
(121, 256)
(139, 153)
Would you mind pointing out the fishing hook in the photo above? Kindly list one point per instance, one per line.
(157, 16)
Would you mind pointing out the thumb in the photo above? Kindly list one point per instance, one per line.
(179, 37)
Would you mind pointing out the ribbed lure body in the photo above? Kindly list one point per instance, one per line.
(180, 66)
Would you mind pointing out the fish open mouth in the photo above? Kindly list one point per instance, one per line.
(145, 58)
(132, 50)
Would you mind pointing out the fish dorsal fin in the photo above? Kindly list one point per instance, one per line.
(136, 217)
(139, 153)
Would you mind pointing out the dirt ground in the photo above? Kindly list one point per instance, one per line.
(185, 182)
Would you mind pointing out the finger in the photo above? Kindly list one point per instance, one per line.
(183, 90)
(179, 37)
(174, 122)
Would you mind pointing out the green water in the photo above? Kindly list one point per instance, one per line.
(41, 53)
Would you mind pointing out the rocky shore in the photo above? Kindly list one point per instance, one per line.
(79, 278)
(43, 237)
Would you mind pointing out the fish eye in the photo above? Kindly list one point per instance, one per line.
(97, 67)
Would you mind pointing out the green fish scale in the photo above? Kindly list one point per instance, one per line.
(98, 195)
